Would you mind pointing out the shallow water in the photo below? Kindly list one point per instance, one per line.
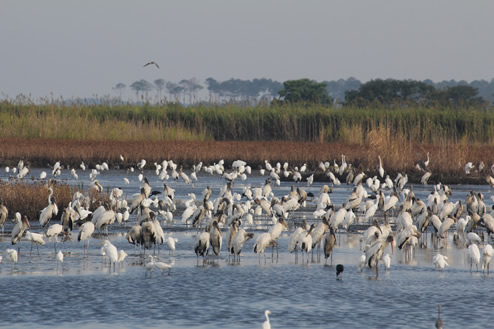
(86, 293)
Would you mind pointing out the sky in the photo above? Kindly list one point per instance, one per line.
(84, 48)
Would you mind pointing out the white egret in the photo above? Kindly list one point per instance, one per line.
(381, 169)
(110, 251)
(12, 256)
(60, 259)
(170, 241)
(266, 324)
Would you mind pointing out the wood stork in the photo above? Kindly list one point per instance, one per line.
(240, 238)
(4, 213)
(216, 237)
(85, 232)
(201, 245)
(50, 211)
(375, 252)
(19, 228)
(53, 232)
(263, 241)
(329, 243)
(35, 238)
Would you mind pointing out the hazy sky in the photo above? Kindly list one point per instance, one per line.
(82, 48)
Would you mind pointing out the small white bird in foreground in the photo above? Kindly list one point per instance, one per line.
(59, 258)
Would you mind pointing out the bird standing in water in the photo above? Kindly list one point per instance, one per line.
(439, 322)
(339, 271)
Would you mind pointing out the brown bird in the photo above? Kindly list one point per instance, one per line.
(150, 63)
(439, 322)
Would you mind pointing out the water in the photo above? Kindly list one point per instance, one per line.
(86, 293)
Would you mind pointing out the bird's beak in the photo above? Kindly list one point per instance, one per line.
(101, 243)
(28, 225)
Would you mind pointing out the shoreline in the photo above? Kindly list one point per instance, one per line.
(447, 161)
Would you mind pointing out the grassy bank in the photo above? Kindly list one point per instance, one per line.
(172, 122)
(44, 134)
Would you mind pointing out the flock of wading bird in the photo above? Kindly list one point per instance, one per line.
(395, 215)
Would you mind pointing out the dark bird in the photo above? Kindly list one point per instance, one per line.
(439, 322)
(339, 271)
(150, 63)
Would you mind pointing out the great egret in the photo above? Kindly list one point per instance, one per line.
(12, 256)
(110, 251)
(440, 261)
(266, 324)
(60, 259)
(381, 169)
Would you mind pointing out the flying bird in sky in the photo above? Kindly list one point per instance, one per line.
(152, 62)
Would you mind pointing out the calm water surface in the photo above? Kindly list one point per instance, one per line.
(86, 293)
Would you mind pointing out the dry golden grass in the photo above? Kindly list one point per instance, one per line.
(398, 154)
(30, 197)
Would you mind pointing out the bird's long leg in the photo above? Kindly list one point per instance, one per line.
(377, 269)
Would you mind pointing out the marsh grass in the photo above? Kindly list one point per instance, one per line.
(398, 155)
(173, 122)
(30, 197)
(46, 133)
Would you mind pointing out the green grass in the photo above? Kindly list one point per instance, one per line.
(171, 122)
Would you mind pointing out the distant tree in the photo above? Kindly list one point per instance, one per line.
(160, 86)
(305, 91)
(460, 95)
(174, 89)
(389, 92)
(119, 87)
(141, 86)
(213, 88)
(191, 87)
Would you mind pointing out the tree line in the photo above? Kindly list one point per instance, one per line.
(386, 92)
